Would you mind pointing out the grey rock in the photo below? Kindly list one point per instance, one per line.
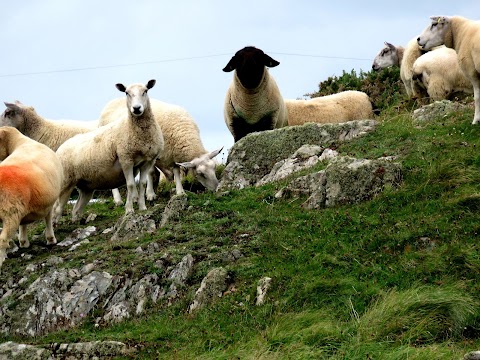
(179, 275)
(473, 355)
(78, 235)
(345, 180)
(254, 156)
(436, 110)
(262, 288)
(304, 158)
(12, 350)
(176, 205)
(212, 287)
(133, 226)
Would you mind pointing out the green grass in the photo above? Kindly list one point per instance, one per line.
(396, 277)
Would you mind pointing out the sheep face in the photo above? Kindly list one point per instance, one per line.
(204, 167)
(388, 56)
(137, 98)
(434, 35)
(14, 115)
(249, 64)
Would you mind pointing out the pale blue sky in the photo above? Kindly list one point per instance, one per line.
(185, 44)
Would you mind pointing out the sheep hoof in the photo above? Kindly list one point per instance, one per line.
(24, 244)
(51, 241)
(151, 197)
(3, 256)
(119, 203)
(475, 121)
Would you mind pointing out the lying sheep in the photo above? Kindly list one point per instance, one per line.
(108, 157)
(253, 101)
(183, 146)
(336, 108)
(30, 180)
(438, 72)
(48, 132)
(462, 35)
(392, 55)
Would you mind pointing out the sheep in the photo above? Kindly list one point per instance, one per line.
(438, 72)
(392, 55)
(253, 101)
(183, 146)
(30, 179)
(462, 35)
(336, 108)
(48, 132)
(108, 156)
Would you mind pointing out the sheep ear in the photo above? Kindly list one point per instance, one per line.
(270, 62)
(12, 106)
(215, 153)
(232, 65)
(438, 19)
(187, 165)
(121, 87)
(151, 83)
(391, 46)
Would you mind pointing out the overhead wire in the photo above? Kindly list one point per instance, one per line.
(164, 61)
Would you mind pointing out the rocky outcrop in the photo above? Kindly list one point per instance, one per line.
(254, 156)
(345, 180)
(437, 110)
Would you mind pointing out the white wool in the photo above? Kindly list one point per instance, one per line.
(336, 108)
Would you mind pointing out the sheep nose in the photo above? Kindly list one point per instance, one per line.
(137, 109)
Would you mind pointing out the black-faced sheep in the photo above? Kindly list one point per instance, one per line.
(30, 180)
(109, 156)
(52, 133)
(253, 101)
(183, 146)
(462, 35)
(336, 108)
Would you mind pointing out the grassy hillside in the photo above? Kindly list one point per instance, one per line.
(394, 278)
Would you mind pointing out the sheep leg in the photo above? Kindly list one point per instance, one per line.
(60, 203)
(10, 226)
(83, 199)
(150, 190)
(49, 235)
(132, 193)
(178, 180)
(23, 237)
(145, 170)
(476, 97)
(117, 198)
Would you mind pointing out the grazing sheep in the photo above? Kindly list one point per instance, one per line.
(183, 146)
(109, 156)
(30, 180)
(392, 55)
(462, 35)
(336, 108)
(438, 72)
(253, 101)
(48, 132)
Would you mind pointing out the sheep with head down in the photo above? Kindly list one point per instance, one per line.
(462, 35)
(109, 156)
(183, 146)
(253, 101)
(30, 181)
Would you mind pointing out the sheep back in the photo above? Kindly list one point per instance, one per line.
(344, 106)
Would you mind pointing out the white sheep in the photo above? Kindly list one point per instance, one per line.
(183, 146)
(344, 106)
(438, 72)
(392, 55)
(30, 180)
(108, 157)
(462, 35)
(253, 101)
(52, 133)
